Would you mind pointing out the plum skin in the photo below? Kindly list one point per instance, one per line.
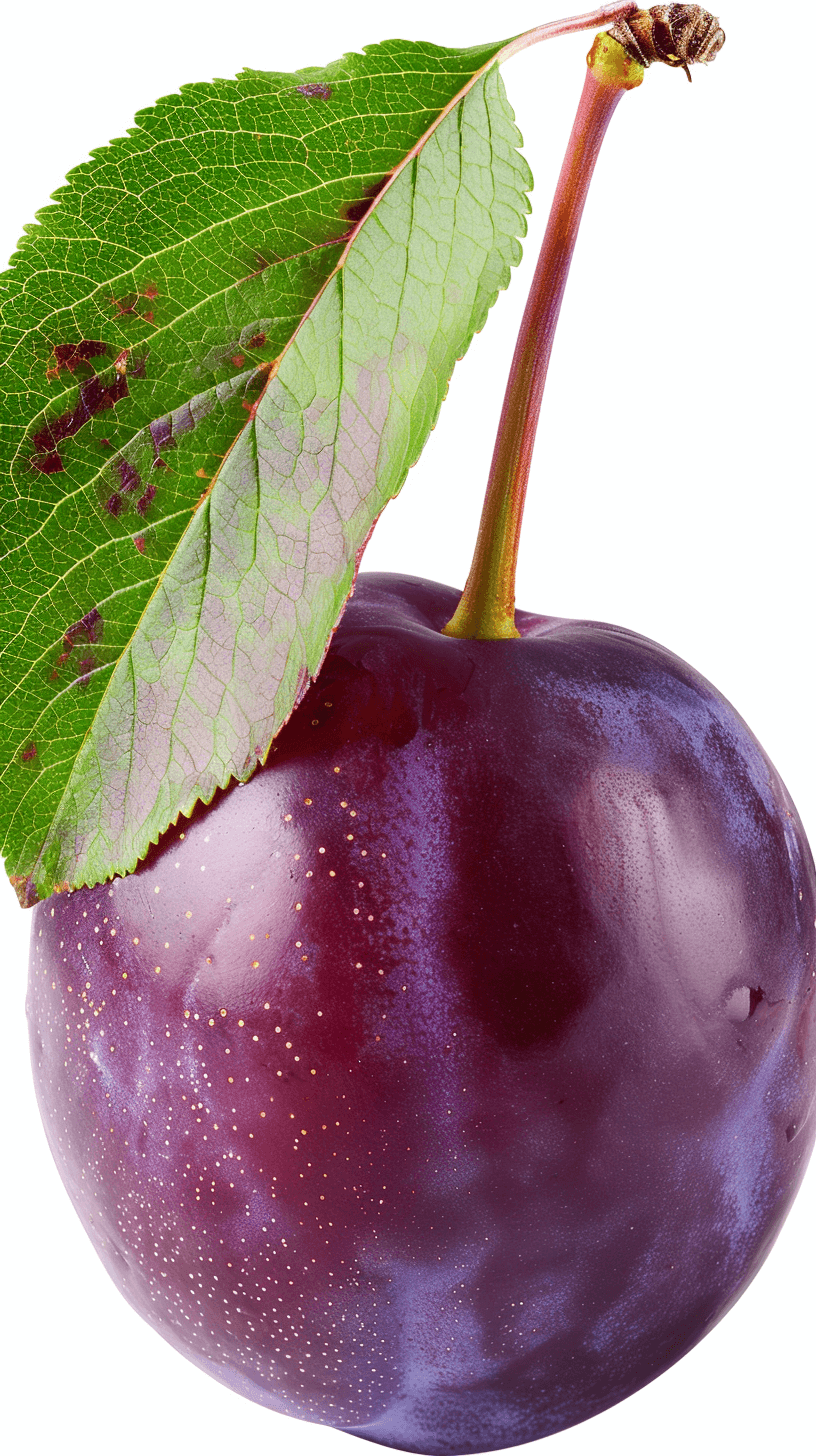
(449, 1080)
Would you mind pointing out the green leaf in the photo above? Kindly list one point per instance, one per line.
(224, 348)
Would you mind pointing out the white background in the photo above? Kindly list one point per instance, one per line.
(672, 492)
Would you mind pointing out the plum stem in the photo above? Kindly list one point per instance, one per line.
(487, 607)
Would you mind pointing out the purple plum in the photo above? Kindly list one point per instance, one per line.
(449, 1080)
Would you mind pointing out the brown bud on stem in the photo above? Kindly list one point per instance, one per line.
(677, 35)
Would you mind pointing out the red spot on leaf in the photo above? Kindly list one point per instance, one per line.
(113, 505)
(129, 476)
(125, 305)
(161, 433)
(237, 360)
(144, 501)
(95, 395)
(50, 464)
(150, 291)
(257, 341)
(129, 305)
(71, 356)
(86, 666)
(139, 543)
(29, 752)
(355, 211)
(89, 626)
(315, 90)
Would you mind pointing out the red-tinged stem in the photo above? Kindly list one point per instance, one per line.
(487, 607)
(570, 26)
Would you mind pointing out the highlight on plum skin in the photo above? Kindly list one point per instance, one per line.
(449, 1080)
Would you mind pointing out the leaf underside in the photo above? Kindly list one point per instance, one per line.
(224, 347)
